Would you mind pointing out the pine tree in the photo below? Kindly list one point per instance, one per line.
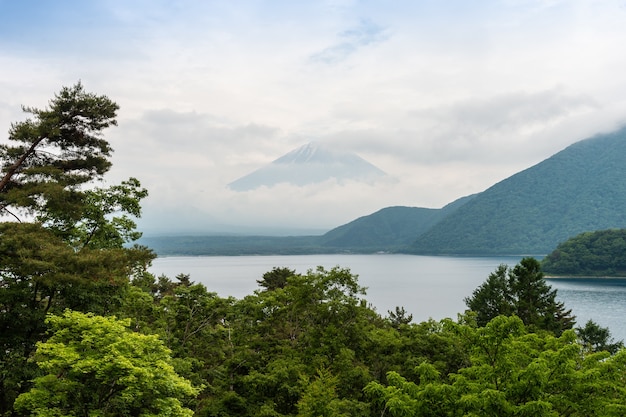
(520, 291)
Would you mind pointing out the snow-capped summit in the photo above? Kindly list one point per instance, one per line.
(312, 153)
(309, 164)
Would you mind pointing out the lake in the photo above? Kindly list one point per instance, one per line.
(426, 286)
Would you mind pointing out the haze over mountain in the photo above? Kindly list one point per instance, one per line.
(309, 164)
(580, 189)
(389, 229)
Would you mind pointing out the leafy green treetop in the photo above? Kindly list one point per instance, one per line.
(399, 317)
(54, 156)
(276, 278)
(96, 366)
(512, 373)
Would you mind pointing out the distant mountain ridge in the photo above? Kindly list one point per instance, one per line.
(309, 164)
(389, 229)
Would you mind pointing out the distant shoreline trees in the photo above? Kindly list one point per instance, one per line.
(591, 254)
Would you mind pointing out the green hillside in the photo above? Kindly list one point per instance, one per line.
(578, 189)
(391, 228)
(599, 253)
(386, 229)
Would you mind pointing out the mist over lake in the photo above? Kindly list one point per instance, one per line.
(426, 286)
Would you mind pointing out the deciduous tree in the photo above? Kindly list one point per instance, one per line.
(512, 373)
(95, 365)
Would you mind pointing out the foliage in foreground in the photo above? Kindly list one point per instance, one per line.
(94, 365)
(511, 373)
(310, 345)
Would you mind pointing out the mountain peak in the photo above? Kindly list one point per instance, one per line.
(315, 152)
(309, 164)
(308, 153)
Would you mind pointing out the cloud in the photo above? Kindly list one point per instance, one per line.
(504, 123)
(189, 146)
(350, 41)
(480, 129)
(319, 206)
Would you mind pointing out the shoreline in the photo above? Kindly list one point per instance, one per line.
(584, 277)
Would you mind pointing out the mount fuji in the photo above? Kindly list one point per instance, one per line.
(310, 164)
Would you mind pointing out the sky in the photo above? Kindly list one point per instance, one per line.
(447, 97)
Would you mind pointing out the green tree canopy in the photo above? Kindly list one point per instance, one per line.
(596, 338)
(96, 366)
(276, 278)
(512, 373)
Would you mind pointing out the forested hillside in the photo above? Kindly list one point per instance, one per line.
(389, 229)
(579, 189)
(599, 253)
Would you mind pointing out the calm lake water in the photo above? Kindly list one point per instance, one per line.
(426, 286)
